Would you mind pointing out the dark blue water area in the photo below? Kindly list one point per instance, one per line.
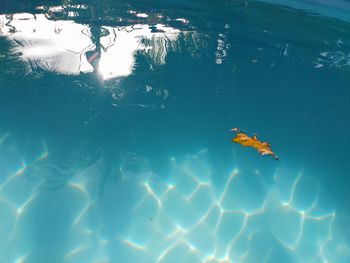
(115, 141)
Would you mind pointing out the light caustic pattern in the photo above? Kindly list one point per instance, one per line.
(143, 217)
(238, 222)
(17, 193)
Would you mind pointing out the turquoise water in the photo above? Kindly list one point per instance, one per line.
(115, 142)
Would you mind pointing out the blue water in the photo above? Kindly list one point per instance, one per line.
(115, 142)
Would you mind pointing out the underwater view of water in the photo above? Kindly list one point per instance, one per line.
(116, 141)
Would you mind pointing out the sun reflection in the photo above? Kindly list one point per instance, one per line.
(63, 46)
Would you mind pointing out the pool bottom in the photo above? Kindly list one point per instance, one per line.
(189, 215)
